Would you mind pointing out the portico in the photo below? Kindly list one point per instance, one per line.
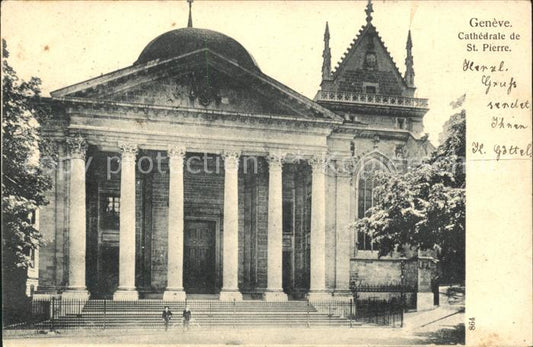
(228, 244)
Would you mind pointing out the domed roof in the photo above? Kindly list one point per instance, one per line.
(185, 40)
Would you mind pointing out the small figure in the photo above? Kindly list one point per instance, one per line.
(186, 318)
(167, 316)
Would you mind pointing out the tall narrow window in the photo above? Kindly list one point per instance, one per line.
(32, 258)
(366, 197)
(110, 213)
(288, 218)
(32, 217)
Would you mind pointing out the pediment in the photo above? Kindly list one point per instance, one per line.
(200, 80)
(212, 90)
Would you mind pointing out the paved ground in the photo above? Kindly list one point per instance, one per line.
(440, 326)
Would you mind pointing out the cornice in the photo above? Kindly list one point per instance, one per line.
(375, 109)
(369, 133)
(153, 113)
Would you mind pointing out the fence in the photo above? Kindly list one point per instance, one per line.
(56, 313)
(393, 294)
(376, 312)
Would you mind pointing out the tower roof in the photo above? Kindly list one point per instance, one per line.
(364, 32)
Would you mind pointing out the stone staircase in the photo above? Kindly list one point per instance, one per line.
(205, 313)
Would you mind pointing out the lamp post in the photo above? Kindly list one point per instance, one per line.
(402, 298)
(402, 284)
(354, 288)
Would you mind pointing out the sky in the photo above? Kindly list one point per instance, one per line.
(66, 42)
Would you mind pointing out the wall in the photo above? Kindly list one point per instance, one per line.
(385, 272)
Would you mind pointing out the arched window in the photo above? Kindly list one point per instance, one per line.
(366, 197)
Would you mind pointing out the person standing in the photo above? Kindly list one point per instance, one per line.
(186, 317)
(167, 316)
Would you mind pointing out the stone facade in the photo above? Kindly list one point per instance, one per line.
(207, 176)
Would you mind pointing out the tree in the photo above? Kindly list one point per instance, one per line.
(23, 182)
(424, 207)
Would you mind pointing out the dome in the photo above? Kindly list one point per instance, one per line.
(185, 40)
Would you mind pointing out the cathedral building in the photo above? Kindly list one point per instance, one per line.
(191, 172)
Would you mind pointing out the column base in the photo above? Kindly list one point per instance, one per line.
(174, 295)
(319, 296)
(424, 301)
(275, 295)
(230, 295)
(126, 295)
(75, 294)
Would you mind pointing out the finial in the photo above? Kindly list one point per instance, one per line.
(409, 65)
(409, 44)
(369, 11)
(189, 23)
(326, 55)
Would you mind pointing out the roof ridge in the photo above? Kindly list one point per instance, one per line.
(351, 46)
(390, 56)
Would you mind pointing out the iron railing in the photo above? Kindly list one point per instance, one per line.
(371, 311)
(392, 288)
(56, 314)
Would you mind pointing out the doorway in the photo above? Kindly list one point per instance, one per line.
(199, 261)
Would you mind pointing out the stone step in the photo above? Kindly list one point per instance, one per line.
(201, 321)
(199, 314)
(255, 317)
(200, 304)
(214, 323)
(195, 307)
(147, 313)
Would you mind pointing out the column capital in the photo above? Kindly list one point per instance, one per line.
(295, 157)
(231, 159)
(176, 151)
(319, 162)
(275, 159)
(77, 146)
(128, 150)
(345, 167)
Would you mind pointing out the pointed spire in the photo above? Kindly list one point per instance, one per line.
(326, 55)
(189, 23)
(369, 10)
(409, 44)
(409, 65)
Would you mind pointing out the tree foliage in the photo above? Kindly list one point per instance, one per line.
(23, 182)
(424, 207)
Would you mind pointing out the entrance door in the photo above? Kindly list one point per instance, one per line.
(199, 257)
(108, 274)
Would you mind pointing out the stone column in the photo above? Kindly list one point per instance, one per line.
(77, 221)
(230, 243)
(126, 277)
(174, 291)
(343, 232)
(274, 290)
(317, 289)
